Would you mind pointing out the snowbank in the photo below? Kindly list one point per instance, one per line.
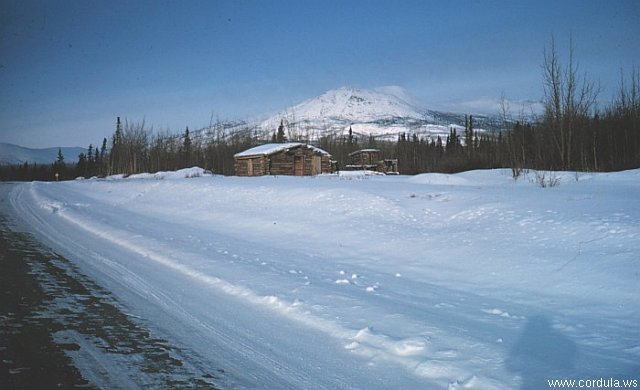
(187, 173)
(473, 280)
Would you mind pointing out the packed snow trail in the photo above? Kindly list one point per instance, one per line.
(431, 281)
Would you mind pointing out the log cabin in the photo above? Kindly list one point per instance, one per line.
(295, 159)
(364, 158)
(371, 160)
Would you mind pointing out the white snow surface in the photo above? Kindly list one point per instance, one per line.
(466, 281)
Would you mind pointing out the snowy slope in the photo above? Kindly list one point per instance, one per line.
(13, 154)
(361, 105)
(432, 281)
(382, 112)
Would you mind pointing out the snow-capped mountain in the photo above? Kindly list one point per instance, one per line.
(357, 105)
(381, 112)
(13, 154)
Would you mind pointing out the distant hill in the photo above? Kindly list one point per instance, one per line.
(13, 154)
(383, 113)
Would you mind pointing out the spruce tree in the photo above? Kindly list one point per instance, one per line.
(469, 135)
(103, 149)
(102, 168)
(97, 162)
(280, 137)
(90, 162)
(81, 167)
(186, 149)
(90, 153)
(60, 159)
(59, 166)
(116, 157)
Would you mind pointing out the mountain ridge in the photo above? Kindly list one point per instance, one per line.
(383, 113)
(11, 154)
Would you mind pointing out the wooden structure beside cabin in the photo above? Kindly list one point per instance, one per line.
(371, 160)
(295, 159)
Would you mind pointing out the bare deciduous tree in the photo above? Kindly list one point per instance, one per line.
(569, 101)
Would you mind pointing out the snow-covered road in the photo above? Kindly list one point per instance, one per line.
(471, 280)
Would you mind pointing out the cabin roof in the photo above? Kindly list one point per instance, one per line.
(268, 149)
(364, 151)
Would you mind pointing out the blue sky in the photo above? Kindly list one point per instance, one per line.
(68, 68)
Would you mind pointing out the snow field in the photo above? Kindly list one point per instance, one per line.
(437, 281)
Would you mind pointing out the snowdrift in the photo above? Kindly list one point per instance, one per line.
(472, 280)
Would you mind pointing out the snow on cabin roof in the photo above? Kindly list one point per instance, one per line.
(364, 151)
(267, 149)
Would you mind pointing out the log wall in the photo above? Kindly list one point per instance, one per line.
(283, 163)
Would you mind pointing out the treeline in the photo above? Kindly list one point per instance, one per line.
(571, 134)
(58, 170)
(604, 141)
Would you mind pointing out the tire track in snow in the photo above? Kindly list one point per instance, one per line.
(364, 343)
(141, 287)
